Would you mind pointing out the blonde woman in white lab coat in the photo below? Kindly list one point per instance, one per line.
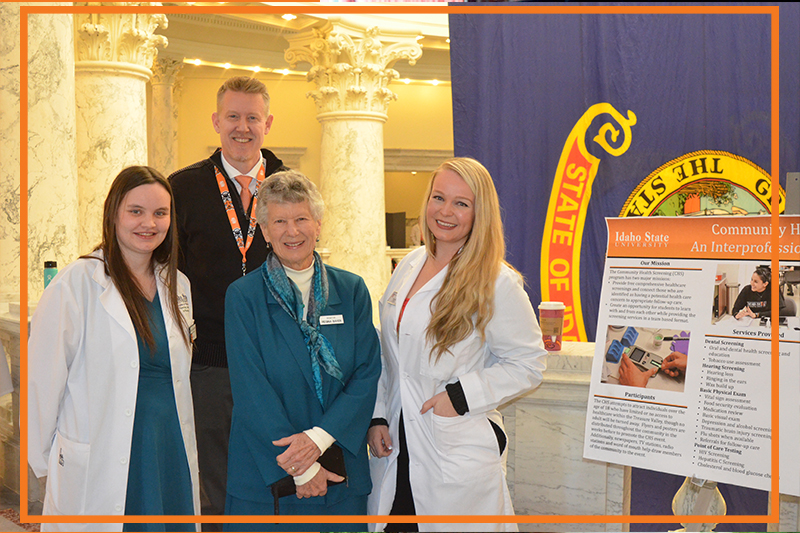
(459, 338)
(110, 417)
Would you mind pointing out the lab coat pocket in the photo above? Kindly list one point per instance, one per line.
(467, 447)
(68, 473)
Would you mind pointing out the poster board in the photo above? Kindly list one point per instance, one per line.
(676, 286)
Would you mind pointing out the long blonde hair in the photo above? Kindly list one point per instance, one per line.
(465, 302)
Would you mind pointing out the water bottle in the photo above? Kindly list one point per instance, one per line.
(50, 271)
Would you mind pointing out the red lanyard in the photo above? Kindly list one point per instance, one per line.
(402, 310)
(234, 219)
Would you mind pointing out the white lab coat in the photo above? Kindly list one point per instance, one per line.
(83, 375)
(455, 465)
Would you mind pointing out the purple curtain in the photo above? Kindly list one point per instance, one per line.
(695, 82)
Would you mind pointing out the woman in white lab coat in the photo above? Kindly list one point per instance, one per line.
(110, 420)
(459, 338)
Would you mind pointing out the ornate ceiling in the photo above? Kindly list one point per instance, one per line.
(260, 39)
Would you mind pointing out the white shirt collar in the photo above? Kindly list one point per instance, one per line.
(231, 171)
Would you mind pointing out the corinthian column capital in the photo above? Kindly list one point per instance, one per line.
(351, 69)
(165, 71)
(119, 38)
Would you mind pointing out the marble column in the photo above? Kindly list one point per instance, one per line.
(114, 54)
(163, 138)
(52, 220)
(351, 70)
(52, 167)
(9, 152)
(9, 212)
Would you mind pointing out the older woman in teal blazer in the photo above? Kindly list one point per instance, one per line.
(304, 363)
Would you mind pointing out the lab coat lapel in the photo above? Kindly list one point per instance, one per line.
(433, 284)
(177, 363)
(292, 336)
(111, 300)
(405, 286)
(163, 297)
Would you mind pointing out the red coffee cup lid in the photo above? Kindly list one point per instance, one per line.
(554, 306)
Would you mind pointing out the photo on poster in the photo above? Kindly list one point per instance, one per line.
(646, 357)
(743, 294)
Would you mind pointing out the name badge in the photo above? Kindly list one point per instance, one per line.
(392, 299)
(331, 319)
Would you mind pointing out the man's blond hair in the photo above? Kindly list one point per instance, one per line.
(244, 84)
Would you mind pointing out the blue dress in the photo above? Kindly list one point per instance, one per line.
(159, 482)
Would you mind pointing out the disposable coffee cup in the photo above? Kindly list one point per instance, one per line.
(551, 320)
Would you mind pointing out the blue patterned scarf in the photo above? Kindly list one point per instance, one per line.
(287, 294)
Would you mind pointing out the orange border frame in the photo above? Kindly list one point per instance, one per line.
(773, 11)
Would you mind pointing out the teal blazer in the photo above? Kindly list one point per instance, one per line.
(273, 387)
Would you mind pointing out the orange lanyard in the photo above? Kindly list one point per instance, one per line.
(234, 219)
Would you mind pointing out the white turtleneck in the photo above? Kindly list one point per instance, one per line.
(303, 279)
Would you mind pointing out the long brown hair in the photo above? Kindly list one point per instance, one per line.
(468, 287)
(166, 255)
